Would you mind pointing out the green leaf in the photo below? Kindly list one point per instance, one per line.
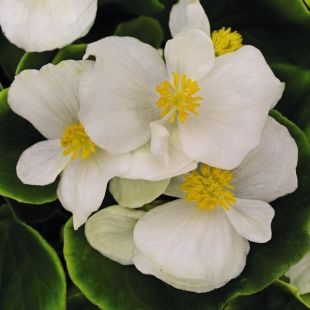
(307, 131)
(306, 299)
(278, 296)
(34, 60)
(74, 51)
(77, 301)
(16, 135)
(113, 286)
(32, 214)
(297, 11)
(139, 7)
(146, 29)
(296, 97)
(31, 274)
(303, 298)
(9, 57)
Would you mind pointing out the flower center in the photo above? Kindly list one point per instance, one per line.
(209, 188)
(226, 41)
(177, 98)
(75, 141)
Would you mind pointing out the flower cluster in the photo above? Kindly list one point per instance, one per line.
(192, 125)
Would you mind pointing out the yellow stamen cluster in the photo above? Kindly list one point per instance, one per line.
(226, 41)
(209, 188)
(75, 141)
(177, 98)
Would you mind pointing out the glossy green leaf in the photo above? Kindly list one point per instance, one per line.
(307, 131)
(278, 296)
(297, 11)
(303, 298)
(77, 301)
(306, 299)
(34, 60)
(144, 28)
(32, 214)
(296, 97)
(9, 57)
(16, 134)
(31, 275)
(139, 7)
(113, 286)
(74, 51)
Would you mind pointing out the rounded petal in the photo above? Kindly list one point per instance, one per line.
(252, 219)
(146, 166)
(269, 171)
(38, 26)
(49, 98)
(188, 248)
(174, 187)
(299, 275)
(187, 15)
(110, 231)
(191, 54)
(237, 95)
(41, 163)
(136, 193)
(119, 94)
(83, 183)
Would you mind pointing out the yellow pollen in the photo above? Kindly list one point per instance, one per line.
(177, 98)
(75, 141)
(209, 188)
(226, 41)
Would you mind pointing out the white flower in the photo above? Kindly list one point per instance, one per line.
(49, 99)
(213, 108)
(41, 25)
(199, 242)
(299, 275)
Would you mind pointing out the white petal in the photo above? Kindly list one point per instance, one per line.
(119, 94)
(136, 193)
(38, 26)
(160, 142)
(187, 15)
(146, 166)
(49, 98)
(41, 163)
(269, 171)
(110, 231)
(237, 95)
(146, 266)
(192, 54)
(174, 187)
(252, 219)
(299, 275)
(188, 248)
(83, 183)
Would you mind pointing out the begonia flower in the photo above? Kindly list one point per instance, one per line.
(212, 108)
(200, 241)
(49, 99)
